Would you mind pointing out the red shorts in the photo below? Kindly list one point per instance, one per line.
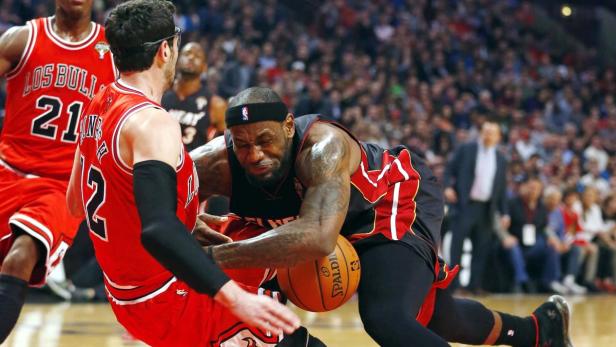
(238, 229)
(180, 316)
(37, 206)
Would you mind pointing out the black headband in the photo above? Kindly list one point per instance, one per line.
(250, 113)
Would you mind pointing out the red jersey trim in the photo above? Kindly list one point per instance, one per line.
(29, 224)
(143, 298)
(115, 140)
(415, 194)
(70, 45)
(118, 286)
(25, 55)
(121, 86)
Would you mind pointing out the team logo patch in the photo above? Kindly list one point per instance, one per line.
(245, 113)
(241, 336)
(108, 103)
(101, 48)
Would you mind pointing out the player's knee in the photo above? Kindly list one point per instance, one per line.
(387, 333)
(22, 257)
(377, 321)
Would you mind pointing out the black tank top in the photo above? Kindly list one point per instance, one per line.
(369, 205)
(193, 115)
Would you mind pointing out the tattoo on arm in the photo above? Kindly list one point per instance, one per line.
(324, 169)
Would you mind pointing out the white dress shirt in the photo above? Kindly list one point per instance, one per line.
(485, 169)
(592, 220)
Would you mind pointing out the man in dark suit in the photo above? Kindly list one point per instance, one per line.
(475, 181)
(536, 243)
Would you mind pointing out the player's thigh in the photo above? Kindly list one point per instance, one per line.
(42, 214)
(11, 198)
(395, 281)
(182, 317)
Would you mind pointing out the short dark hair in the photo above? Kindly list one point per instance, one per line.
(531, 178)
(254, 95)
(132, 24)
(570, 191)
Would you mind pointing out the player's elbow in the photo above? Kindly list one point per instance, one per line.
(154, 232)
(326, 245)
(151, 237)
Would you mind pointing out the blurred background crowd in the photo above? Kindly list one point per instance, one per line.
(429, 74)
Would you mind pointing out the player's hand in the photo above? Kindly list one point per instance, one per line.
(258, 311)
(205, 234)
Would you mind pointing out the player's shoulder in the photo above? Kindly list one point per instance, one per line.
(13, 42)
(325, 134)
(151, 122)
(330, 147)
(19, 31)
(215, 149)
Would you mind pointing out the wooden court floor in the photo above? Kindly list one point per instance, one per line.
(93, 325)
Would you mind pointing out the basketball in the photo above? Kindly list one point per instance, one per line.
(324, 284)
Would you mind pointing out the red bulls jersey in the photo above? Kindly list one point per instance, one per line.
(46, 93)
(131, 274)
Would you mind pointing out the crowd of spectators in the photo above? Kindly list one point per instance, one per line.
(426, 74)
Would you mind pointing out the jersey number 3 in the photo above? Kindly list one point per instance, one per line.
(53, 107)
(96, 182)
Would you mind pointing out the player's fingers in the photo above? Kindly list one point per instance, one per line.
(208, 236)
(212, 219)
(283, 314)
(213, 236)
(276, 325)
(263, 324)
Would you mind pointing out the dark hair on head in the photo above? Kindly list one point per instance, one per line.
(133, 23)
(570, 191)
(492, 120)
(532, 177)
(254, 95)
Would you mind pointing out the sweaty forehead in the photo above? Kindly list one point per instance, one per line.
(252, 131)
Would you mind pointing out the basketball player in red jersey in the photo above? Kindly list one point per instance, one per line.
(137, 187)
(53, 67)
(306, 180)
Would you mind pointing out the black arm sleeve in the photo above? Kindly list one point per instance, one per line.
(164, 236)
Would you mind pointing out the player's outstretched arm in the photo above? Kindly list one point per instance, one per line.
(73, 194)
(12, 45)
(324, 168)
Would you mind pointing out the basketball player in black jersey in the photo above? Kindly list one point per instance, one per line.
(309, 180)
(201, 115)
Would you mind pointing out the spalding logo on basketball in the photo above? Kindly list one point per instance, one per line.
(323, 284)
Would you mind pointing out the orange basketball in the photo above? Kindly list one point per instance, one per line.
(323, 284)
